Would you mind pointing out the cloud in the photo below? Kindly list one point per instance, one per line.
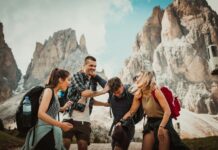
(120, 8)
(28, 22)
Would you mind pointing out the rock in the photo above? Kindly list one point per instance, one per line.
(146, 41)
(178, 54)
(61, 50)
(1, 125)
(9, 72)
(82, 43)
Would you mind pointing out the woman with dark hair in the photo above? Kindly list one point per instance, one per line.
(48, 134)
(158, 132)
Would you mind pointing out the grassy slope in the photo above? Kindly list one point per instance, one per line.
(208, 143)
(8, 141)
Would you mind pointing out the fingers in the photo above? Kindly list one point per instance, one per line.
(69, 103)
(118, 124)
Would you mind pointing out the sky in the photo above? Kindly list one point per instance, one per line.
(110, 26)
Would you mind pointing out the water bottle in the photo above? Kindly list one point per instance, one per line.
(27, 109)
(27, 106)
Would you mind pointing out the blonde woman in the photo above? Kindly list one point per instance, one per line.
(158, 132)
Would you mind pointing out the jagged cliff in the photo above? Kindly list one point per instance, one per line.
(61, 50)
(9, 72)
(173, 44)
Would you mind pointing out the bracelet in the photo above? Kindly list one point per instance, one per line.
(121, 120)
(131, 114)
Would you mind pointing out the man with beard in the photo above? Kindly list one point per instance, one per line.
(82, 91)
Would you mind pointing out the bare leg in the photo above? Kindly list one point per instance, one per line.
(164, 141)
(148, 141)
(67, 143)
(82, 145)
(117, 148)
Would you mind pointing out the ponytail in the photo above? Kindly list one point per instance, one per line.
(55, 75)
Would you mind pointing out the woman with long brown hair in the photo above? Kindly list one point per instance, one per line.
(158, 132)
(48, 134)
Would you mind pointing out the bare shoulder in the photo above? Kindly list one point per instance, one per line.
(48, 92)
(138, 94)
(157, 91)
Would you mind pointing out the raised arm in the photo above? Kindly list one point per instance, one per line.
(83, 89)
(135, 105)
(99, 103)
(102, 82)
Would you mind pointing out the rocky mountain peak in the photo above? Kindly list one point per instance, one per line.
(175, 48)
(189, 7)
(156, 16)
(61, 50)
(2, 40)
(82, 43)
(9, 72)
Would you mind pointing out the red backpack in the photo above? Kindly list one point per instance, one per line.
(173, 102)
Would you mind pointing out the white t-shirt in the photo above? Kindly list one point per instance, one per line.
(82, 116)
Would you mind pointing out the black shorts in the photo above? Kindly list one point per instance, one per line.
(81, 130)
(122, 137)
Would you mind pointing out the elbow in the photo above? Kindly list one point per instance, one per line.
(168, 112)
(39, 115)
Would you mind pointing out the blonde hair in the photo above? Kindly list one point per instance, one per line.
(146, 81)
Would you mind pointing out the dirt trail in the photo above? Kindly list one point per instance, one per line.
(107, 146)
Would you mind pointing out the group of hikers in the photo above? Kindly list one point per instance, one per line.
(53, 134)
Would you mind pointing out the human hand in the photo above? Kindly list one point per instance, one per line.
(161, 131)
(92, 74)
(65, 126)
(107, 104)
(67, 105)
(118, 124)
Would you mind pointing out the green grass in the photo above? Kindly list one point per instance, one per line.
(8, 142)
(207, 143)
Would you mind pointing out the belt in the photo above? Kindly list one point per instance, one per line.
(81, 122)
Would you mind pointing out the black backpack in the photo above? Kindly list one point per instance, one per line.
(34, 95)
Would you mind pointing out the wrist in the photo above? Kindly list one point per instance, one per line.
(103, 91)
(160, 126)
(59, 124)
(122, 120)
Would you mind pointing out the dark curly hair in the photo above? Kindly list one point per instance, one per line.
(114, 84)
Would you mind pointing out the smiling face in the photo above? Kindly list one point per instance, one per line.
(65, 83)
(90, 67)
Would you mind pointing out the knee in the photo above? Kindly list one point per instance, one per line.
(118, 133)
(82, 145)
(163, 138)
(67, 143)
